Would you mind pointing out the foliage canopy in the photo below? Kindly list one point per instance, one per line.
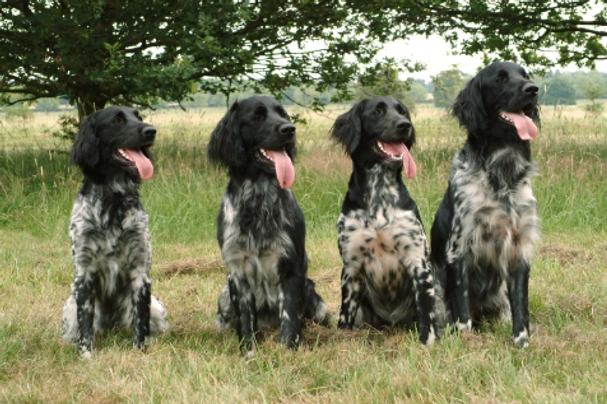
(139, 52)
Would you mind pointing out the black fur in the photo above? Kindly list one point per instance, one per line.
(111, 248)
(261, 228)
(486, 227)
(387, 278)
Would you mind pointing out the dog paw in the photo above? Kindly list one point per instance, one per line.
(467, 326)
(86, 355)
(521, 340)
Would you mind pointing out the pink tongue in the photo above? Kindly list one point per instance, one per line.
(285, 173)
(144, 165)
(399, 149)
(524, 125)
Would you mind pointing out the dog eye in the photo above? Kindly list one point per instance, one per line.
(501, 79)
(118, 120)
(377, 112)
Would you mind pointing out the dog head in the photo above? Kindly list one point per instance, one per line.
(377, 130)
(500, 94)
(255, 137)
(114, 141)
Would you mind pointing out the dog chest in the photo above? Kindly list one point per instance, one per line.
(254, 258)
(117, 251)
(498, 226)
(384, 248)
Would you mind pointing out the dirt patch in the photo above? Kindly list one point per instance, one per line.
(564, 254)
(200, 266)
(578, 306)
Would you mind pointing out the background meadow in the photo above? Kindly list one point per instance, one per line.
(194, 362)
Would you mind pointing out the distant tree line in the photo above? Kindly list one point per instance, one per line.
(556, 88)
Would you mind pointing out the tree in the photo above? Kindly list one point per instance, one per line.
(557, 91)
(594, 91)
(385, 82)
(446, 86)
(528, 31)
(418, 92)
(138, 52)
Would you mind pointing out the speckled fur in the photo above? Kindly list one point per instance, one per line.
(261, 230)
(111, 249)
(486, 227)
(387, 279)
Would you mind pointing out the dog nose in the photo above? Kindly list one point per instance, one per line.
(403, 125)
(149, 132)
(287, 129)
(530, 89)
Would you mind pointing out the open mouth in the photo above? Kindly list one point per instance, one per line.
(283, 166)
(397, 152)
(265, 158)
(390, 151)
(525, 127)
(137, 158)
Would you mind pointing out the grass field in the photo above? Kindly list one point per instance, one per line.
(194, 362)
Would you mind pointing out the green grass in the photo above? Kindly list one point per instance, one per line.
(193, 362)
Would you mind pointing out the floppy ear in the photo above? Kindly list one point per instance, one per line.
(348, 127)
(469, 107)
(226, 146)
(85, 150)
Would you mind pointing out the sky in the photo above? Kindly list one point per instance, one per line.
(437, 55)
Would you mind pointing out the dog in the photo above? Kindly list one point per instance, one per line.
(111, 249)
(260, 226)
(387, 278)
(486, 226)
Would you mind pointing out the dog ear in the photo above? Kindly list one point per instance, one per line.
(348, 127)
(85, 150)
(469, 107)
(226, 146)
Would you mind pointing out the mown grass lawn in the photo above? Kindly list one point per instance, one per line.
(194, 362)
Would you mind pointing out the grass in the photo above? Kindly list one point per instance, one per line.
(193, 362)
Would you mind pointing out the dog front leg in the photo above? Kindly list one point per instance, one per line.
(245, 315)
(459, 299)
(425, 300)
(85, 312)
(351, 295)
(518, 294)
(142, 299)
(290, 301)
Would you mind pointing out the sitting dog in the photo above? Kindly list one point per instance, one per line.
(111, 248)
(260, 226)
(387, 278)
(486, 226)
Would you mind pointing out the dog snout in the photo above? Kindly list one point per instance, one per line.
(287, 129)
(149, 133)
(403, 125)
(530, 88)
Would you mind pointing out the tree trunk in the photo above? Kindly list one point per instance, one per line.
(87, 106)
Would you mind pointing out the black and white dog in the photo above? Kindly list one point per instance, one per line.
(387, 278)
(486, 226)
(260, 227)
(111, 248)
